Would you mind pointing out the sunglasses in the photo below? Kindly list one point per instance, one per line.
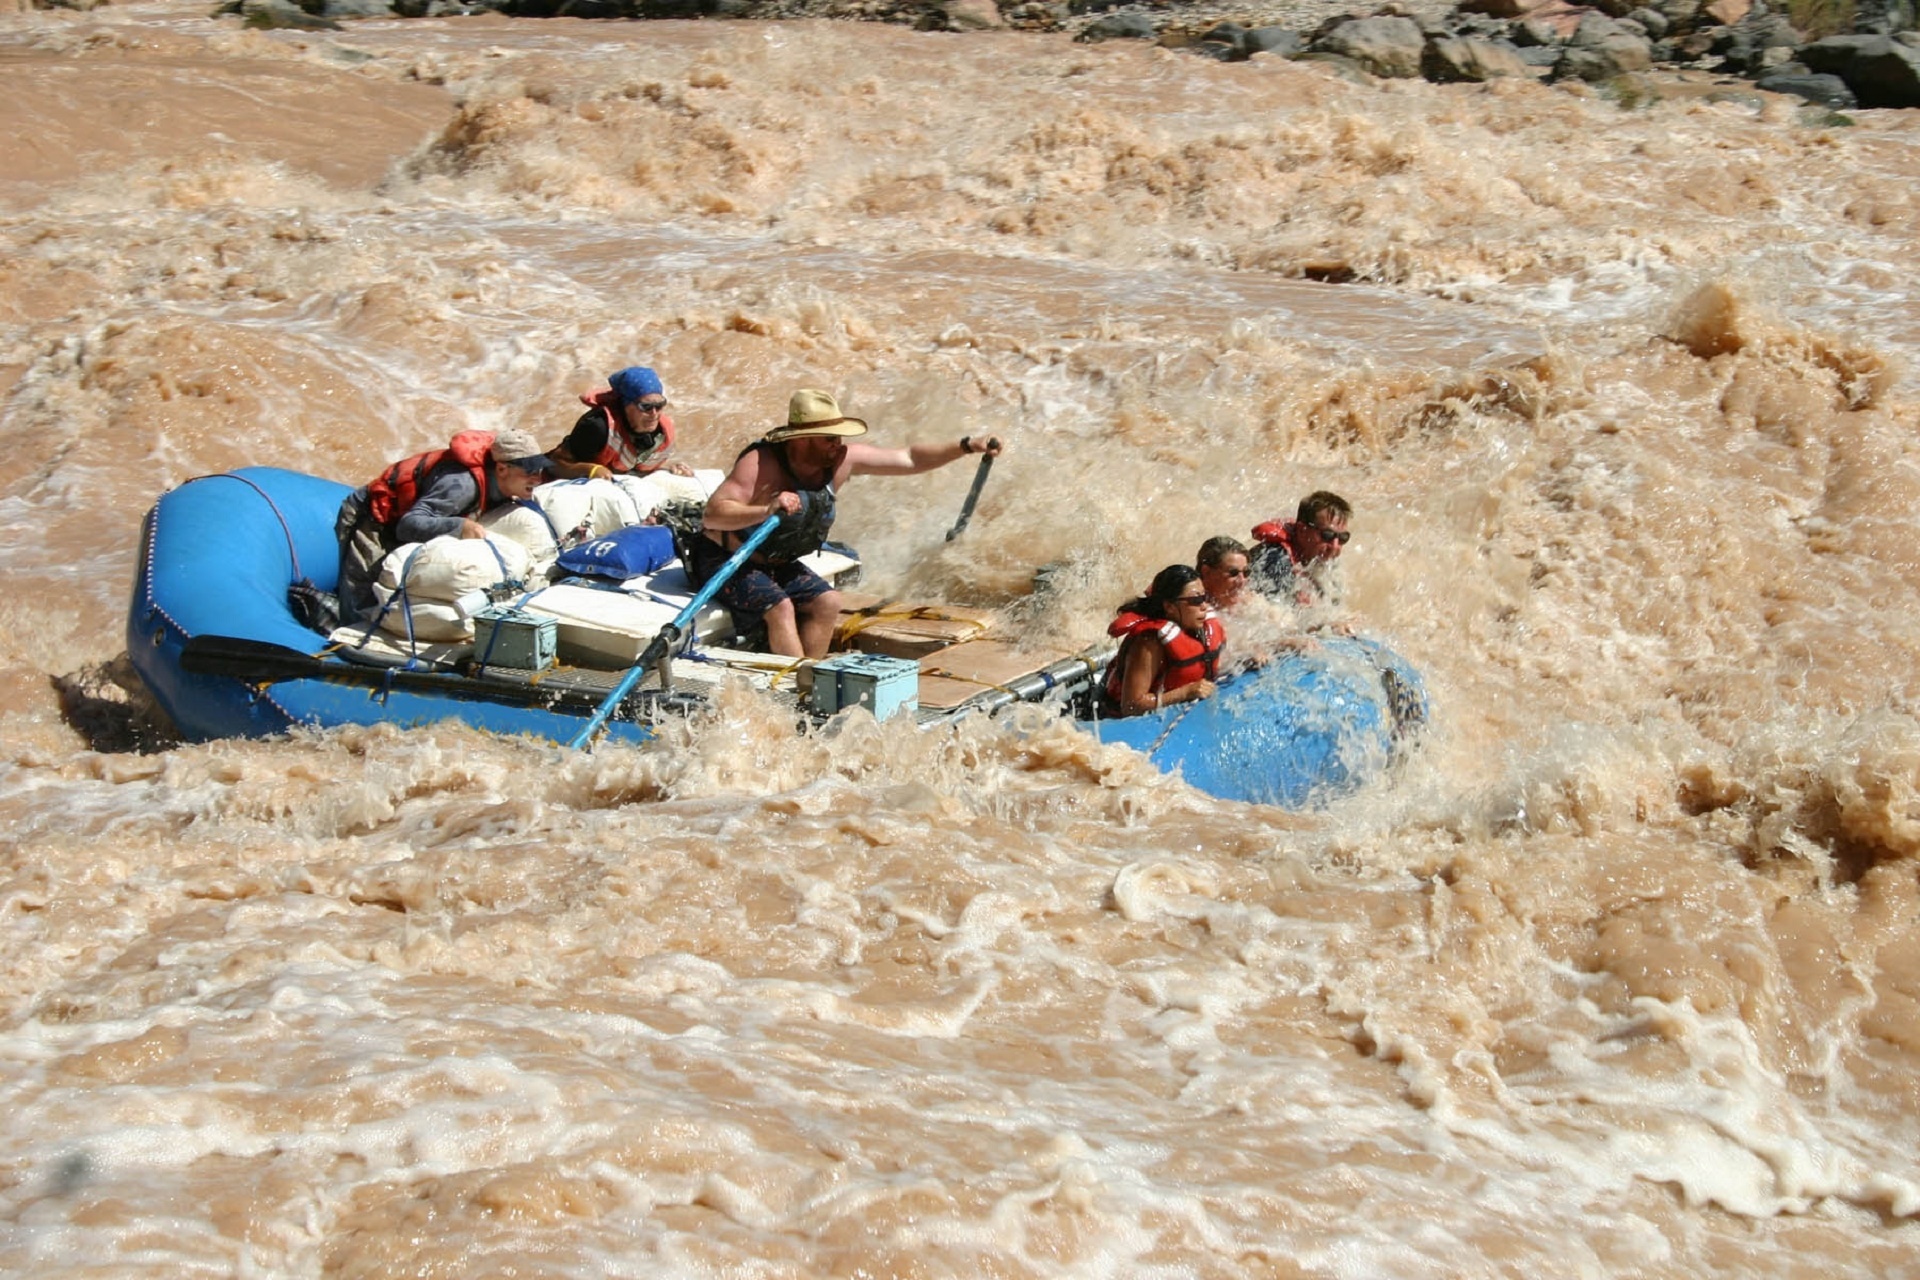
(1190, 599)
(1339, 536)
(650, 406)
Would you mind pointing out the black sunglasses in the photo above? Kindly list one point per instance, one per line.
(1200, 599)
(1331, 535)
(650, 406)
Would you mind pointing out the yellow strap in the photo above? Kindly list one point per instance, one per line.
(944, 674)
(855, 623)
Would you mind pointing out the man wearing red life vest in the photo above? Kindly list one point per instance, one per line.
(625, 431)
(430, 495)
(1292, 556)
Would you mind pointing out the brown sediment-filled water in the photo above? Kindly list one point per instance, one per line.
(1620, 976)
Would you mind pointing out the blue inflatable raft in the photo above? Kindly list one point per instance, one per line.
(1297, 732)
(212, 635)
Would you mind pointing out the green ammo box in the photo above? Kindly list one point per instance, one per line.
(881, 684)
(508, 637)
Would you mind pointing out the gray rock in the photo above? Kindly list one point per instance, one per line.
(283, 15)
(1532, 33)
(1455, 60)
(972, 15)
(1538, 57)
(1119, 26)
(1655, 23)
(1880, 71)
(1283, 41)
(1883, 17)
(1828, 91)
(1887, 77)
(1387, 47)
(350, 8)
(1601, 50)
(1227, 41)
(1828, 56)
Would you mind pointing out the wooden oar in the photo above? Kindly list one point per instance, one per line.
(669, 635)
(973, 496)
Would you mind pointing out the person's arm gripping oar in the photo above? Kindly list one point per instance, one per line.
(989, 451)
(670, 634)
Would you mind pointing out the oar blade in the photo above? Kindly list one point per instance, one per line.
(973, 497)
(255, 661)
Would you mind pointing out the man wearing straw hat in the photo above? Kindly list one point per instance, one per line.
(794, 472)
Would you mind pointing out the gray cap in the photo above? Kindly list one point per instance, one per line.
(519, 447)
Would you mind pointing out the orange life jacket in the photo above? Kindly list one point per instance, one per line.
(1188, 658)
(395, 490)
(622, 452)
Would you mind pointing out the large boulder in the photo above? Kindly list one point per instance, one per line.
(1881, 72)
(1458, 60)
(1388, 47)
(1602, 49)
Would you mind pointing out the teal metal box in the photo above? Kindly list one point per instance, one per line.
(508, 637)
(882, 684)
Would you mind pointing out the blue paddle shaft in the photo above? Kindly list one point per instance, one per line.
(673, 630)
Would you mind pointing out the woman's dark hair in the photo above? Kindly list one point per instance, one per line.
(1168, 583)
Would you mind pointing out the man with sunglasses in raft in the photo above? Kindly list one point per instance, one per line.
(625, 431)
(795, 472)
(1291, 557)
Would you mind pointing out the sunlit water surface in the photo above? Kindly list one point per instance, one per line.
(1619, 977)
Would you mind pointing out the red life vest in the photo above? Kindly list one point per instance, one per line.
(1187, 658)
(1277, 533)
(622, 452)
(395, 490)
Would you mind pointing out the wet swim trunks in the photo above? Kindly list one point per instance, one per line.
(755, 588)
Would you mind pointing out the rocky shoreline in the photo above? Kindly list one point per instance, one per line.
(1836, 54)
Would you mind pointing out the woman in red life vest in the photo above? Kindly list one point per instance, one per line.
(1170, 646)
(625, 431)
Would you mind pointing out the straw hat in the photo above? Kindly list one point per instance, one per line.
(815, 413)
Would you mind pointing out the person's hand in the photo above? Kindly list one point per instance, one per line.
(679, 469)
(1201, 689)
(988, 445)
(470, 528)
(786, 504)
(598, 472)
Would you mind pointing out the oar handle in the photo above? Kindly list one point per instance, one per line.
(671, 633)
(973, 497)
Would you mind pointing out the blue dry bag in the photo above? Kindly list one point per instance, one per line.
(622, 554)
